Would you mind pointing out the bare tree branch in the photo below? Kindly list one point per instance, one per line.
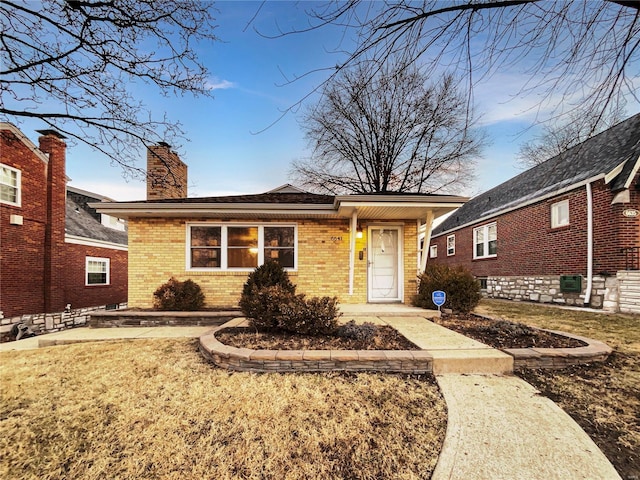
(70, 64)
(386, 130)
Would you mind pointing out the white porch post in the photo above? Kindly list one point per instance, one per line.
(427, 241)
(352, 248)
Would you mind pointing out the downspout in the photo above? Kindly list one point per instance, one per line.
(352, 249)
(587, 294)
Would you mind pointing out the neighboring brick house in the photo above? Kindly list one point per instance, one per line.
(360, 248)
(54, 249)
(566, 231)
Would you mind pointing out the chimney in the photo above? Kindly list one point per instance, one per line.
(52, 143)
(166, 173)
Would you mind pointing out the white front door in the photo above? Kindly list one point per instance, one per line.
(385, 264)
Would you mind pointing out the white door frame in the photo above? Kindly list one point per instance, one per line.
(399, 262)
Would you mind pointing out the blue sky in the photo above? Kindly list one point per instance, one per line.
(226, 156)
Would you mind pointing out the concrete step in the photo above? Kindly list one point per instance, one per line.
(471, 361)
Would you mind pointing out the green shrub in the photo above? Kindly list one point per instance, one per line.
(269, 302)
(268, 274)
(363, 331)
(462, 289)
(314, 316)
(178, 296)
(263, 307)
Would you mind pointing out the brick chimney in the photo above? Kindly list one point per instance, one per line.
(166, 173)
(52, 143)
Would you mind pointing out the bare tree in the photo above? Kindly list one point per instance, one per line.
(75, 64)
(384, 129)
(558, 137)
(575, 53)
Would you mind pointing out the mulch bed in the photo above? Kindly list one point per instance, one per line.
(386, 338)
(495, 333)
(505, 334)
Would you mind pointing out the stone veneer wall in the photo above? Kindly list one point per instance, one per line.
(629, 291)
(546, 289)
(50, 322)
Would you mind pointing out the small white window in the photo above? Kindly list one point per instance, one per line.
(485, 241)
(560, 214)
(10, 191)
(451, 245)
(433, 251)
(97, 271)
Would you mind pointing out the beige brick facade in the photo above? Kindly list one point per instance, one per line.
(157, 251)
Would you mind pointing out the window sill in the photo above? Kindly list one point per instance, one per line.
(558, 229)
(489, 257)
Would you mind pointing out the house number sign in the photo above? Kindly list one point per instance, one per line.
(631, 212)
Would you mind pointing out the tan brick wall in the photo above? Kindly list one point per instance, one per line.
(157, 252)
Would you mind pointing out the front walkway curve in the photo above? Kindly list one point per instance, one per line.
(501, 428)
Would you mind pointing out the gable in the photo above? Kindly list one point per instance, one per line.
(616, 149)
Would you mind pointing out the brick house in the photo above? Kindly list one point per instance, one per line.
(360, 248)
(55, 249)
(566, 231)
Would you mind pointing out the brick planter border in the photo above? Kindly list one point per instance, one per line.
(554, 358)
(247, 360)
(392, 361)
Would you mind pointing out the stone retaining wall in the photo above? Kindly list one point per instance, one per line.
(142, 318)
(52, 322)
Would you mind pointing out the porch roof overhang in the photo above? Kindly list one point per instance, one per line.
(367, 207)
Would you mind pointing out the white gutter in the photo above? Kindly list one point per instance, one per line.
(92, 242)
(352, 249)
(587, 294)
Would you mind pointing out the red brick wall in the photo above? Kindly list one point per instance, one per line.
(39, 272)
(21, 246)
(80, 295)
(527, 245)
(54, 232)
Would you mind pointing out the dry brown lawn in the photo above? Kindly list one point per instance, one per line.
(604, 398)
(154, 409)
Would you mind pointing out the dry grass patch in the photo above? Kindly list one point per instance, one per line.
(154, 409)
(604, 398)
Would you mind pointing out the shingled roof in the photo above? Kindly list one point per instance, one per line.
(83, 221)
(269, 197)
(615, 149)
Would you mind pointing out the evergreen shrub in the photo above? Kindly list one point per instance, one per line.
(461, 287)
(178, 296)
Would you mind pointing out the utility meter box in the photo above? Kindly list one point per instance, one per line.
(571, 283)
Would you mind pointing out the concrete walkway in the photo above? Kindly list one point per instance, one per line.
(498, 427)
(86, 334)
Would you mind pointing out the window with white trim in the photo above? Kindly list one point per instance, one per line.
(10, 189)
(485, 241)
(560, 214)
(451, 245)
(433, 251)
(240, 247)
(97, 271)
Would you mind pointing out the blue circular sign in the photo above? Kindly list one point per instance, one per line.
(438, 297)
